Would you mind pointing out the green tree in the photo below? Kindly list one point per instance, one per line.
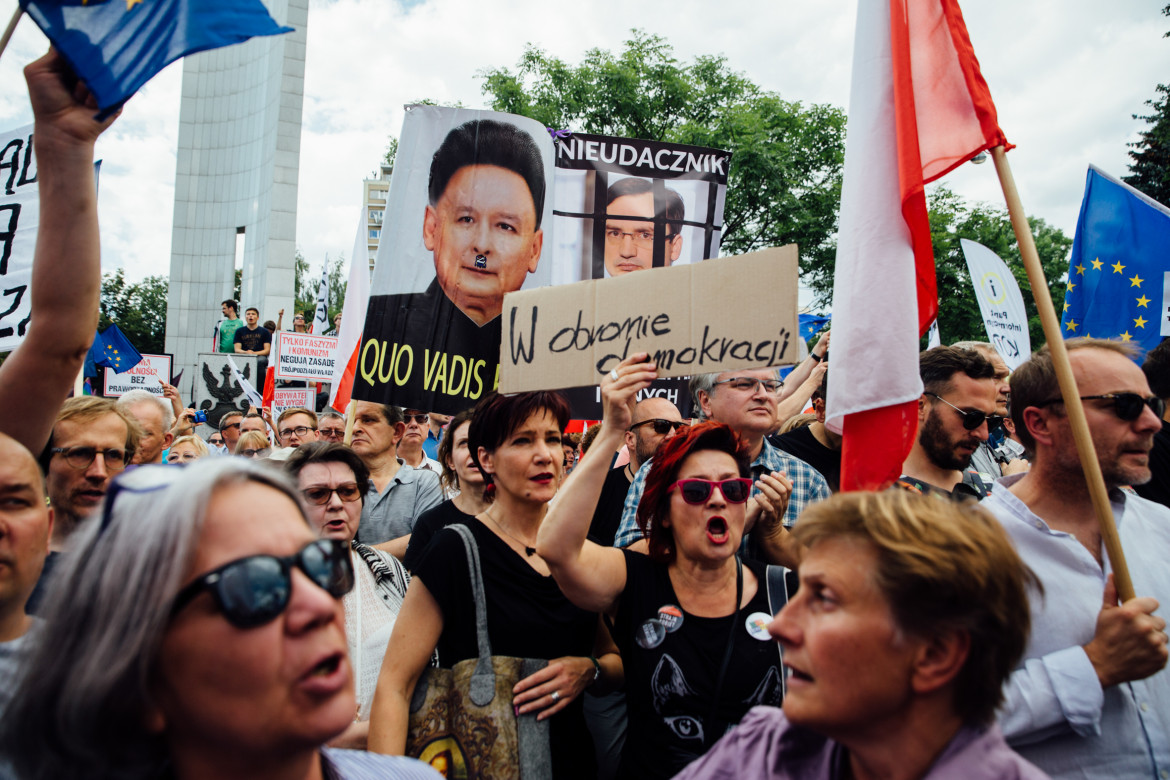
(139, 309)
(952, 218)
(304, 286)
(785, 177)
(391, 151)
(1150, 155)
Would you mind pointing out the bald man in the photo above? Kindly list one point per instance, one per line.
(26, 525)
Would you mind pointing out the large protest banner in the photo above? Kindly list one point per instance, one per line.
(467, 214)
(1000, 303)
(148, 375)
(624, 205)
(304, 356)
(20, 213)
(734, 312)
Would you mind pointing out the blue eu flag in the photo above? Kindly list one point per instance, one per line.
(111, 349)
(116, 46)
(1120, 265)
(811, 324)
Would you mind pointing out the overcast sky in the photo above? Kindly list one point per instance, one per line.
(1066, 77)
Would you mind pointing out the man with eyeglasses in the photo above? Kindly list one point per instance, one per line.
(331, 426)
(1092, 698)
(629, 233)
(956, 411)
(92, 442)
(745, 400)
(296, 426)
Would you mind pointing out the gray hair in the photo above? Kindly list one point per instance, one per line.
(134, 397)
(706, 383)
(80, 709)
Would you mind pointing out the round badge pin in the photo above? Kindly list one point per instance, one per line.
(757, 625)
(650, 634)
(671, 618)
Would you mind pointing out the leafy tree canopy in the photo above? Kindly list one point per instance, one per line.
(1150, 155)
(305, 284)
(138, 308)
(784, 183)
(952, 218)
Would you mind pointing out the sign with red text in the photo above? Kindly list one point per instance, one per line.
(304, 356)
(293, 398)
(147, 375)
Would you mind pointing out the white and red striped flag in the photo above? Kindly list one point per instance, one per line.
(353, 320)
(918, 108)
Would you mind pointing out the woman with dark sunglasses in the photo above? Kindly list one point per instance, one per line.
(690, 618)
(515, 441)
(195, 630)
(333, 481)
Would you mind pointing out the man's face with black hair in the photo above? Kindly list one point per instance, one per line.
(486, 212)
(629, 243)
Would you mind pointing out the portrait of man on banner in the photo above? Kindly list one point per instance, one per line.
(466, 225)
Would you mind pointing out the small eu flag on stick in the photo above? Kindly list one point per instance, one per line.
(116, 46)
(113, 350)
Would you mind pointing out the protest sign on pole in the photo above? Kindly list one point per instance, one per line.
(292, 398)
(148, 375)
(734, 312)
(304, 356)
(1000, 303)
(20, 213)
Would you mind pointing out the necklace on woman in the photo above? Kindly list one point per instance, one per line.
(529, 551)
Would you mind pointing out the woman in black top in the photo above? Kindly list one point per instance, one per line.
(516, 441)
(689, 617)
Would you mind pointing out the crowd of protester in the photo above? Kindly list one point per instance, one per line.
(260, 597)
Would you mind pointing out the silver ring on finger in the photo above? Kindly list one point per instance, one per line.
(555, 696)
(613, 374)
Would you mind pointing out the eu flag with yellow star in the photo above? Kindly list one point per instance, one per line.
(116, 46)
(111, 348)
(1120, 267)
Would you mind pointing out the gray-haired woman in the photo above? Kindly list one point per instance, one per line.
(195, 630)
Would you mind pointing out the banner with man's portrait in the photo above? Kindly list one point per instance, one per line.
(483, 203)
(468, 219)
(624, 205)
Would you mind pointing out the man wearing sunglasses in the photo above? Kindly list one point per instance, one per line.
(747, 401)
(229, 428)
(1092, 698)
(956, 413)
(654, 421)
(411, 448)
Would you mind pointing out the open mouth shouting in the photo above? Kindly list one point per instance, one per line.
(717, 531)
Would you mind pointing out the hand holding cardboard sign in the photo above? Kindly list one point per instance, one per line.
(620, 388)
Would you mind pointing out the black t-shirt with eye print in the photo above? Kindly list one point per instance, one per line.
(669, 688)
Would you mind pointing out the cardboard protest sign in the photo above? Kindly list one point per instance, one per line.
(147, 375)
(20, 213)
(466, 219)
(734, 312)
(304, 356)
(292, 397)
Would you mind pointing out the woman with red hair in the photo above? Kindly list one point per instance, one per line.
(690, 618)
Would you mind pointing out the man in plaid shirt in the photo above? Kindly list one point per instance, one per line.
(746, 401)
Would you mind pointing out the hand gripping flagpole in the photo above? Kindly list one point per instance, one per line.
(1064, 376)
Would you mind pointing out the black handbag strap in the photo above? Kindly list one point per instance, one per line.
(483, 643)
(777, 577)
